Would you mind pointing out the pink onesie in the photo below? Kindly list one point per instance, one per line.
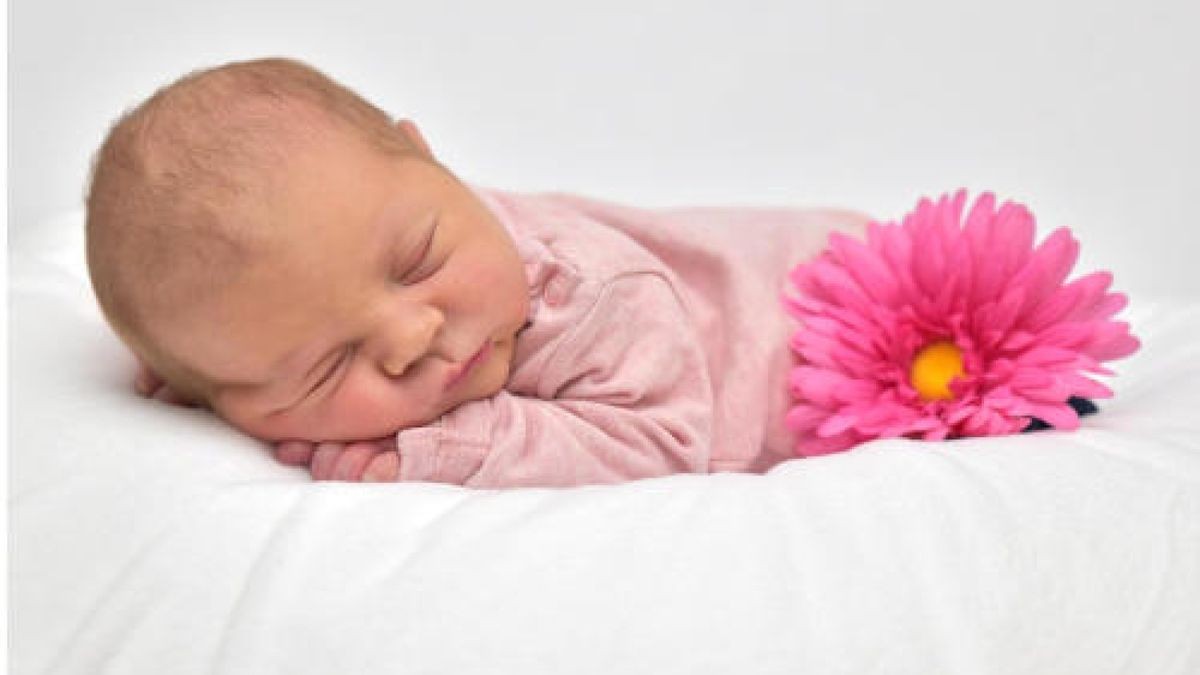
(657, 344)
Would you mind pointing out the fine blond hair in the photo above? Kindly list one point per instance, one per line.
(176, 189)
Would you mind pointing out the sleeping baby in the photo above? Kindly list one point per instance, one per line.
(274, 248)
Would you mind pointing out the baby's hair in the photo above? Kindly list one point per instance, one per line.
(175, 192)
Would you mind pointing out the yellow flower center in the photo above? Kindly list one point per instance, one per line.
(935, 366)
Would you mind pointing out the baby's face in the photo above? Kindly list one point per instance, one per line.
(392, 296)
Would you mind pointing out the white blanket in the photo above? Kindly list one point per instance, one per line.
(151, 539)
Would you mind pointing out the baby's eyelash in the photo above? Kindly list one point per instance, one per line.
(417, 276)
(331, 371)
(422, 258)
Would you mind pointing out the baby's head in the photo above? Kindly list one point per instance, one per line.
(275, 248)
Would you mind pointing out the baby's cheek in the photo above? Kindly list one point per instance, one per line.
(365, 409)
(252, 418)
(358, 412)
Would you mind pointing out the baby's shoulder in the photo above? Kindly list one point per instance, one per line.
(583, 241)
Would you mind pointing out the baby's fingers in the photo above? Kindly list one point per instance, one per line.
(171, 397)
(294, 453)
(383, 468)
(358, 461)
(353, 461)
(324, 458)
(146, 381)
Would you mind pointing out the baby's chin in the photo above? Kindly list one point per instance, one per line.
(478, 391)
(475, 394)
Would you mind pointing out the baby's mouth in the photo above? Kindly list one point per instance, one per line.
(459, 374)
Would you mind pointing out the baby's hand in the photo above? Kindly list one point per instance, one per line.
(366, 461)
(147, 383)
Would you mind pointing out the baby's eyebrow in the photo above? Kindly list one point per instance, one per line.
(226, 381)
(231, 383)
(239, 383)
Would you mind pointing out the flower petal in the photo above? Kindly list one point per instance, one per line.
(1048, 267)
(1058, 415)
(868, 268)
(865, 309)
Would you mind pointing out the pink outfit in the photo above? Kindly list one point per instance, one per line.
(657, 344)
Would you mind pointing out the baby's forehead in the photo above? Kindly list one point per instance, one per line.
(338, 196)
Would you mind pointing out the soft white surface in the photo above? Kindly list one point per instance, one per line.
(1086, 110)
(148, 539)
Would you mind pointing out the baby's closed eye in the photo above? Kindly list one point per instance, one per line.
(332, 372)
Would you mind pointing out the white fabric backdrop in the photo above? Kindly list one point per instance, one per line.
(1084, 110)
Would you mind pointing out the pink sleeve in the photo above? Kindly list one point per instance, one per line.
(627, 396)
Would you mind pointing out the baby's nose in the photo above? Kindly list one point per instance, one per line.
(408, 339)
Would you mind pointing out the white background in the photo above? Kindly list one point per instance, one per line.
(1084, 110)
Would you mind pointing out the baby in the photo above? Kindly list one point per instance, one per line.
(273, 247)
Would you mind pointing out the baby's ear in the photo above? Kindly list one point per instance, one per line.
(414, 136)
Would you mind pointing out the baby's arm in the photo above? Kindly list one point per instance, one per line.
(624, 395)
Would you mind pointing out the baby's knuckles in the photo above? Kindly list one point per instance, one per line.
(353, 461)
(383, 468)
(375, 460)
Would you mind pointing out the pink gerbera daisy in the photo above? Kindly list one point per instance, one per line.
(936, 328)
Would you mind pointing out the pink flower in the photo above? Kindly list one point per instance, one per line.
(936, 328)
